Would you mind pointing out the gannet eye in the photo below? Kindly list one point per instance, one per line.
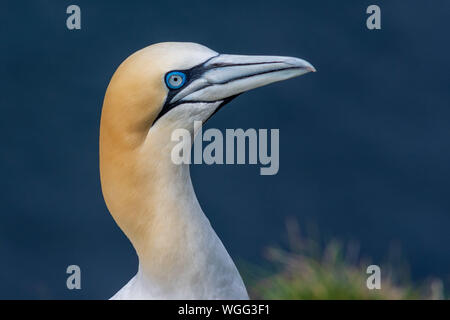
(175, 79)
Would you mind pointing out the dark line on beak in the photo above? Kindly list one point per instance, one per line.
(223, 64)
(255, 74)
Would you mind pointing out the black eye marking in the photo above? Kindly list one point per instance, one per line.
(191, 75)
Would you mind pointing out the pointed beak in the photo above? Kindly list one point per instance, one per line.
(225, 76)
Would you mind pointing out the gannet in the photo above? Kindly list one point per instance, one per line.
(156, 90)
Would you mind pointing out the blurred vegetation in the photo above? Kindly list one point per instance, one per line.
(310, 270)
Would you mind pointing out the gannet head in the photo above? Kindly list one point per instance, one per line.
(169, 85)
(156, 90)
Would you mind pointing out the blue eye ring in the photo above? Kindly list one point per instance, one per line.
(175, 79)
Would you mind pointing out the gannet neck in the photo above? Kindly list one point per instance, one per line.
(180, 255)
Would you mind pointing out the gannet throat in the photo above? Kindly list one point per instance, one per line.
(156, 90)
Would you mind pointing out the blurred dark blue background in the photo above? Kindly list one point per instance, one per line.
(364, 142)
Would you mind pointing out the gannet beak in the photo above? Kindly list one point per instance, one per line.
(225, 76)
